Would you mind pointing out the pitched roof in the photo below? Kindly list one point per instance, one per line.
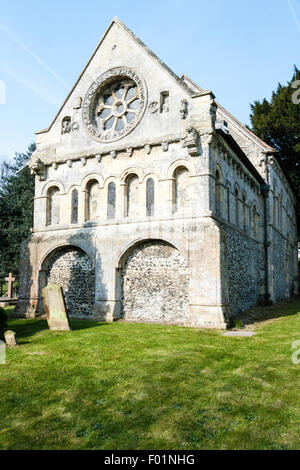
(117, 21)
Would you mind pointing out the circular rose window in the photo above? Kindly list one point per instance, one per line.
(114, 104)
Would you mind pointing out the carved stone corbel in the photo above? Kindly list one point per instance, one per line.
(191, 141)
(129, 151)
(183, 109)
(38, 168)
(165, 146)
(147, 149)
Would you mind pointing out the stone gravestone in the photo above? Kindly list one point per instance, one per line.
(55, 308)
(7, 299)
(2, 352)
(11, 338)
(10, 280)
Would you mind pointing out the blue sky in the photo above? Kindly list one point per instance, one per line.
(239, 49)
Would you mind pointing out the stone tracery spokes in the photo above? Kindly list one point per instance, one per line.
(117, 106)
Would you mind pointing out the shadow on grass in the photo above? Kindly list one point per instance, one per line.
(260, 313)
(25, 328)
(85, 324)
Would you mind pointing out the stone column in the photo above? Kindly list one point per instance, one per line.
(208, 291)
(40, 212)
(82, 201)
(28, 285)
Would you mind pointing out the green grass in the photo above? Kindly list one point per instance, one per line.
(138, 386)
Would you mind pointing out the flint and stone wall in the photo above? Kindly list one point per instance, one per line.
(73, 270)
(155, 284)
(244, 263)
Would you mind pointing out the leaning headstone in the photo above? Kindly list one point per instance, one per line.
(55, 308)
(11, 339)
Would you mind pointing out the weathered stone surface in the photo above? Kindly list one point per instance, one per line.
(240, 333)
(73, 270)
(155, 284)
(11, 338)
(243, 270)
(55, 308)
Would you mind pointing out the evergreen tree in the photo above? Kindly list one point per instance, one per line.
(277, 122)
(16, 210)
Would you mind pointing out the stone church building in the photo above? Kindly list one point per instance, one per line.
(152, 202)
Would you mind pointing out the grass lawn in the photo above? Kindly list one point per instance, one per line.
(139, 386)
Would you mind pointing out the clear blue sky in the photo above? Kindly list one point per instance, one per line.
(240, 49)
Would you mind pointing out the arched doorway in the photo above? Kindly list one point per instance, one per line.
(72, 269)
(154, 280)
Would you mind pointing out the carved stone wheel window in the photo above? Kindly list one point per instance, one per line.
(114, 104)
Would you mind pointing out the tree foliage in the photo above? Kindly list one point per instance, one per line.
(16, 210)
(277, 122)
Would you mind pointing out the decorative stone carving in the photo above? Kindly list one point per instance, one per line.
(183, 109)
(222, 125)
(99, 158)
(164, 102)
(129, 151)
(153, 107)
(83, 161)
(113, 154)
(75, 126)
(114, 104)
(191, 141)
(54, 166)
(70, 163)
(77, 102)
(165, 146)
(147, 149)
(66, 125)
(38, 168)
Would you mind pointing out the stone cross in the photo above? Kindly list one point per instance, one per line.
(10, 279)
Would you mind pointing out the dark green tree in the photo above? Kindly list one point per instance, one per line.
(16, 210)
(277, 122)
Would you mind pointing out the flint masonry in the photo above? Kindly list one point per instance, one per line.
(152, 202)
